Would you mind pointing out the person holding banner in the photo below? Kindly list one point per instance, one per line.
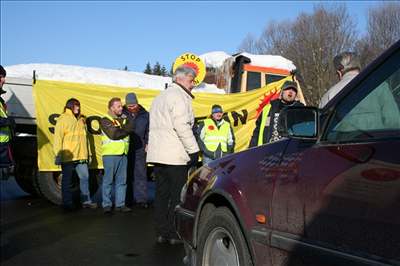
(216, 138)
(172, 148)
(116, 128)
(266, 130)
(71, 149)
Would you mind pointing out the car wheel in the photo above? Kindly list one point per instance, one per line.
(24, 176)
(50, 186)
(221, 241)
(207, 210)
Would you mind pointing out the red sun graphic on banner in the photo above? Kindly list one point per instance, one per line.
(192, 65)
(268, 97)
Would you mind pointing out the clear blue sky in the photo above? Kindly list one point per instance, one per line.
(115, 34)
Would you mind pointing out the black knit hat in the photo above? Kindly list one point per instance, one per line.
(289, 85)
(131, 98)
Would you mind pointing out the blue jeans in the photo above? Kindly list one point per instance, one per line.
(82, 171)
(114, 168)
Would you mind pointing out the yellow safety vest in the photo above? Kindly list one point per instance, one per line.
(264, 118)
(215, 136)
(114, 147)
(5, 132)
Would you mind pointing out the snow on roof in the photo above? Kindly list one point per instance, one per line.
(275, 61)
(214, 59)
(217, 58)
(93, 75)
(79, 74)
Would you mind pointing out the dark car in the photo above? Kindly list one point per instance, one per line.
(327, 194)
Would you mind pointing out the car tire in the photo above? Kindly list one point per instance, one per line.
(205, 213)
(50, 186)
(221, 241)
(24, 176)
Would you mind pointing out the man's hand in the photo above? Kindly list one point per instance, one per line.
(194, 158)
(209, 154)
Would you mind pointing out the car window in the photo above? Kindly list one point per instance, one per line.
(372, 110)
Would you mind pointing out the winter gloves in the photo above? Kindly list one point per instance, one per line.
(194, 158)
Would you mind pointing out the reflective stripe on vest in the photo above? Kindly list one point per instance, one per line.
(264, 118)
(114, 147)
(5, 132)
(214, 137)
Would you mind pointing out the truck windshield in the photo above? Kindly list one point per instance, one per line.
(253, 80)
(270, 78)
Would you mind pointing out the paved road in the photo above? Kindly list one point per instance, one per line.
(35, 232)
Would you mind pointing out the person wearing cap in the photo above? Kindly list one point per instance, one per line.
(6, 131)
(116, 128)
(172, 148)
(216, 138)
(347, 66)
(71, 149)
(137, 172)
(266, 129)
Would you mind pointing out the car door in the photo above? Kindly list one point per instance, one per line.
(340, 203)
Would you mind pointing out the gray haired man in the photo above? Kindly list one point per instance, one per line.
(347, 65)
(172, 148)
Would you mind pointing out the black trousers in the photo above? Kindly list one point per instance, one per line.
(169, 182)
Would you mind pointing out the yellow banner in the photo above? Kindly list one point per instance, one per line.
(241, 109)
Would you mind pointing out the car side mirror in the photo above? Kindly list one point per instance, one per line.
(299, 122)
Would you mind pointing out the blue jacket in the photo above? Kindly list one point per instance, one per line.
(140, 136)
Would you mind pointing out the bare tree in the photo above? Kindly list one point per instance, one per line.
(382, 31)
(275, 38)
(317, 38)
(311, 41)
(249, 44)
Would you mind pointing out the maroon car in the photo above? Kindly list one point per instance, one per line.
(327, 194)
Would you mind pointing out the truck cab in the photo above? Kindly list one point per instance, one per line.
(243, 72)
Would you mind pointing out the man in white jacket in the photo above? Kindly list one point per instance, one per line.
(172, 148)
(347, 66)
